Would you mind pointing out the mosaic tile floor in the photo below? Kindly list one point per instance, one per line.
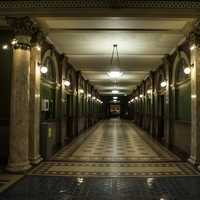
(85, 169)
(112, 161)
(116, 141)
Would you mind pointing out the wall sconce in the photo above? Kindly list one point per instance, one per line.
(187, 70)
(149, 91)
(14, 41)
(43, 69)
(163, 84)
(81, 91)
(193, 47)
(5, 46)
(38, 47)
(67, 83)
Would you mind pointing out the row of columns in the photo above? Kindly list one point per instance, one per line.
(194, 40)
(25, 96)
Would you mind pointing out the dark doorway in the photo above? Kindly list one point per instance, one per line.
(161, 114)
(70, 118)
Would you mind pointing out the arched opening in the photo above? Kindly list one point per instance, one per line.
(49, 133)
(182, 106)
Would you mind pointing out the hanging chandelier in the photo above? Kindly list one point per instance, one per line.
(115, 73)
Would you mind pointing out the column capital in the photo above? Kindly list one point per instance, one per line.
(23, 29)
(194, 35)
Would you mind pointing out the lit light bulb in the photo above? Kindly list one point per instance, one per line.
(187, 70)
(136, 98)
(115, 91)
(38, 47)
(81, 91)
(93, 98)
(67, 83)
(115, 74)
(89, 95)
(4, 46)
(14, 41)
(148, 91)
(193, 47)
(115, 97)
(141, 95)
(44, 69)
(163, 84)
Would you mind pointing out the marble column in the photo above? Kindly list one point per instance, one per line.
(194, 39)
(34, 120)
(195, 107)
(20, 94)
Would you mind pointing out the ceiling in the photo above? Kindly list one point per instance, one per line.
(88, 42)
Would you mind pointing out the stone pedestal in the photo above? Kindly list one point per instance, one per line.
(19, 117)
(195, 107)
(34, 127)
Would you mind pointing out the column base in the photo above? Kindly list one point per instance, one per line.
(193, 161)
(18, 167)
(36, 160)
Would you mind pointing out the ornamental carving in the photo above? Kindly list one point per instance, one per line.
(22, 26)
(194, 35)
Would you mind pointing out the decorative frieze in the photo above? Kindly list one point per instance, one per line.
(27, 4)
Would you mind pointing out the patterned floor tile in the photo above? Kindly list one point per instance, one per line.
(116, 141)
(114, 169)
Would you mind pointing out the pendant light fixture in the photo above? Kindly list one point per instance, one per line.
(116, 73)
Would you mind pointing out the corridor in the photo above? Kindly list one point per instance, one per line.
(113, 160)
(99, 100)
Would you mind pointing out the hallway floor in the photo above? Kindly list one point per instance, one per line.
(113, 160)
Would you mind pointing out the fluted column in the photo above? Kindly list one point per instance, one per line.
(20, 93)
(34, 126)
(195, 94)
